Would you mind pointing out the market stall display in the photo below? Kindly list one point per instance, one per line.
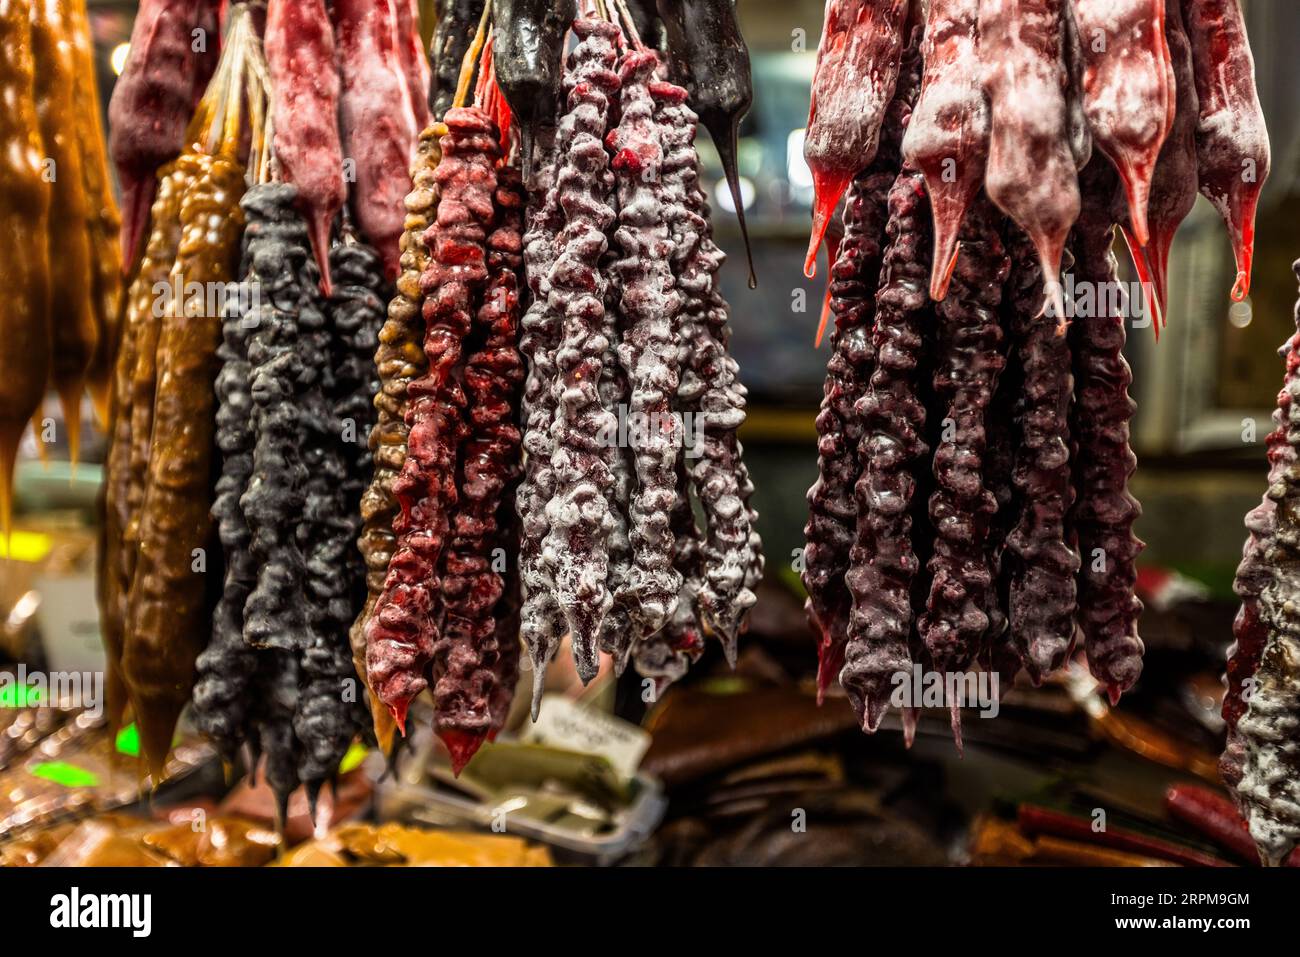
(422, 407)
(268, 391)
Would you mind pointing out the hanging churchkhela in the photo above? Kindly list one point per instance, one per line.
(60, 321)
(972, 504)
(307, 504)
(607, 546)
(1261, 708)
(269, 391)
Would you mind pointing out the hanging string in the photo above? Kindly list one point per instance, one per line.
(629, 25)
(471, 57)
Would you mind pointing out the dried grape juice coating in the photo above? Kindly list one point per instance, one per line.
(832, 508)
(1232, 148)
(160, 253)
(466, 652)
(576, 543)
(1126, 91)
(853, 82)
(1174, 186)
(168, 601)
(305, 103)
(1040, 564)
(227, 668)
(401, 634)
(128, 457)
(855, 277)
(398, 359)
(25, 321)
(542, 621)
(948, 137)
(379, 128)
(1269, 790)
(272, 503)
(708, 56)
(882, 561)
(1031, 172)
(528, 53)
(151, 105)
(1104, 509)
(648, 348)
(1249, 630)
(962, 506)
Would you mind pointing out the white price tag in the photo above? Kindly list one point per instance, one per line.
(565, 724)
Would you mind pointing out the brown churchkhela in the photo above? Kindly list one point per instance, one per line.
(25, 270)
(103, 219)
(132, 405)
(166, 627)
(855, 276)
(398, 359)
(75, 330)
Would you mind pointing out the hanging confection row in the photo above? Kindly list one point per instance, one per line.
(411, 362)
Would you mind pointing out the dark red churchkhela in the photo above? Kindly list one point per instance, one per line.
(402, 634)
(882, 562)
(378, 124)
(152, 101)
(855, 278)
(962, 506)
(468, 651)
(857, 67)
(1039, 564)
(1105, 510)
(1232, 147)
(299, 46)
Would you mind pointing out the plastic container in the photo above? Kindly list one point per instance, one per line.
(398, 800)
